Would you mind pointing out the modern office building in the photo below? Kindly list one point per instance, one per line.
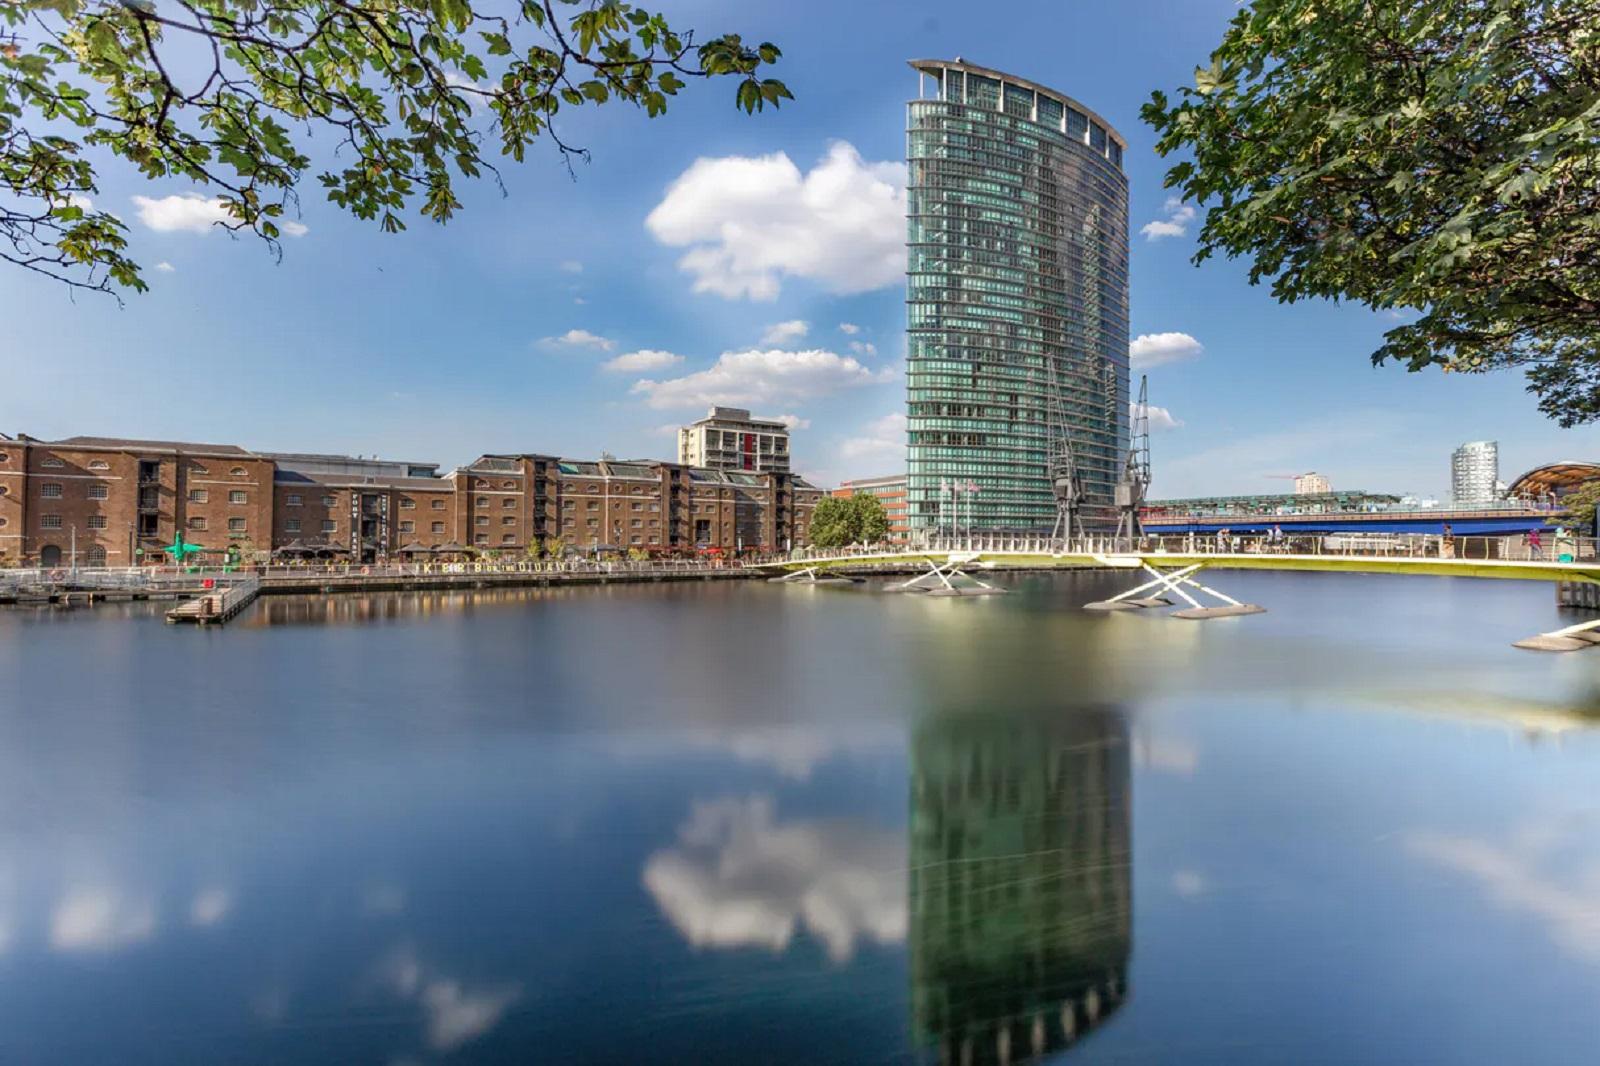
(728, 438)
(1311, 484)
(1017, 295)
(891, 492)
(1475, 472)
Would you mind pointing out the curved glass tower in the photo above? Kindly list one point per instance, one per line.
(1017, 301)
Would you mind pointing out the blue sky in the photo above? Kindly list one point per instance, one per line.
(445, 342)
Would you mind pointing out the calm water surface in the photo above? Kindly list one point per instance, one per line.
(761, 824)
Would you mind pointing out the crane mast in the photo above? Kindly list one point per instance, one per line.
(1061, 462)
(1135, 480)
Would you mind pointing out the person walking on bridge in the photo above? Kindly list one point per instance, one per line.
(1535, 544)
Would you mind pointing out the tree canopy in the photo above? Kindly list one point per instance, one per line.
(1436, 156)
(226, 93)
(1580, 507)
(859, 519)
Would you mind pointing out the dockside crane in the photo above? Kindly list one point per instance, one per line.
(1061, 463)
(1135, 480)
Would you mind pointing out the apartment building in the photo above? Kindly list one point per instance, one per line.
(729, 438)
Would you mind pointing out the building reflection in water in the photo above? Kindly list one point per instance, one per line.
(1020, 881)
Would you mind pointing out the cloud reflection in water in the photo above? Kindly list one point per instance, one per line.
(740, 878)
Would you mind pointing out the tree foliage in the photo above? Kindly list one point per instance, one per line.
(1580, 507)
(226, 93)
(838, 521)
(1441, 156)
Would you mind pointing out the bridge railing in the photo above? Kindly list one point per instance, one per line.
(1381, 545)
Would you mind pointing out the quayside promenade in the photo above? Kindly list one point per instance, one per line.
(88, 586)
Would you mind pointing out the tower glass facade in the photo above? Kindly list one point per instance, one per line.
(1017, 300)
(1475, 472)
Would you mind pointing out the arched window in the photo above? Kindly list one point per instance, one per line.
(237, 471)
(50, 462)
(99, 464)
(95, 556)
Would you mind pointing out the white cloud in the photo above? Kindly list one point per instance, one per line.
(741, 879)
(571, 266)
(1160, 417)
(642, 360)
(750, 222)
(580, 338)
(1176, 224)
(795, 422)
(849, 327)
(1158, 349)
(883, 442)
(864, 348)
(292, 228)
(1189, 883)
(210, 906)
(782, 333)
(100, 919)
(457, 1015)
(759, 378)
(183, 212)
(165, 267)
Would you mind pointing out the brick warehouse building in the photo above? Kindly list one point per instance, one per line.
(116, 502)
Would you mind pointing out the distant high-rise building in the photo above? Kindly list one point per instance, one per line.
(727, 438)
(1475, 472)
(1311, 484)
(1017, 294)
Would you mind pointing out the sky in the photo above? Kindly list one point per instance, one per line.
(706, 256)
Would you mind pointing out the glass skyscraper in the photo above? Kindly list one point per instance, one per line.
(1017, 300)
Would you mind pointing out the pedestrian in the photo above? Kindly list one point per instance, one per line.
(1447, 543)
(1535, 545)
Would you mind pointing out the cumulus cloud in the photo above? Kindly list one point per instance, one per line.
(210, 906)
(165, 267)
(580, 338)
(864, 348)
(761, 378)
(1176, 224)
(883, 441)
(850, 328)
(187, 212)
(1160, 417)
(190, 212)
(795, 421)
(782, 333)
(750, 222)
(739, 878)
(1158, 349)
(641, 360)
(100, 919)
